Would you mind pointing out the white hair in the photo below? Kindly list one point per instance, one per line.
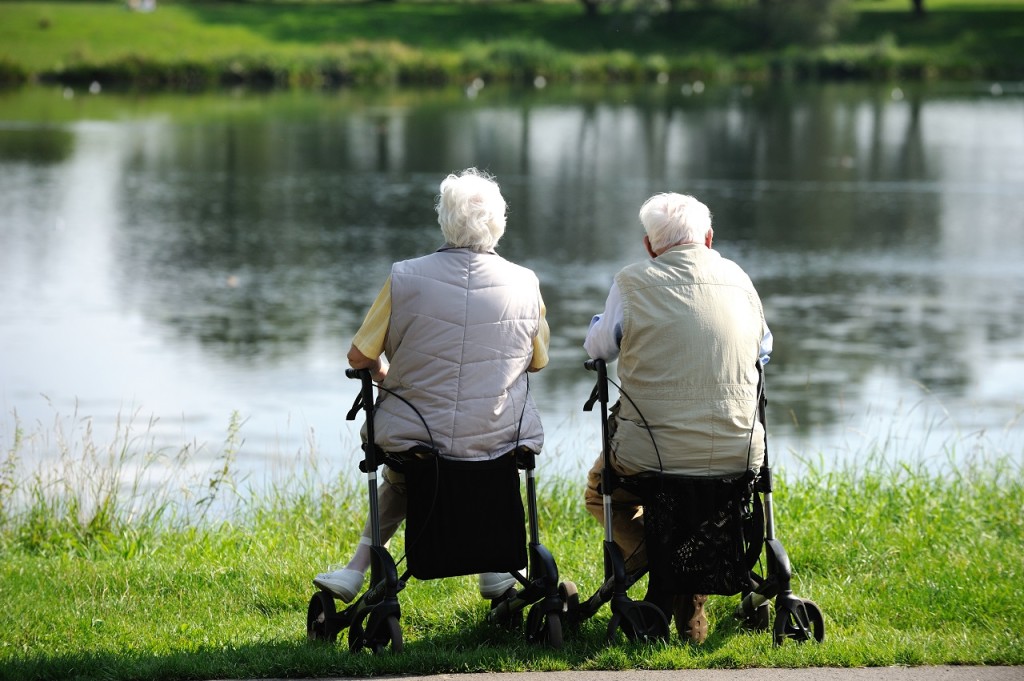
(471, 210)
(671, 219)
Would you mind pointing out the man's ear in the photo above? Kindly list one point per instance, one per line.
(647, 245)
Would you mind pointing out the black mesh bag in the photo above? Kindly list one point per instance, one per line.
(464, 517)
(695, 532)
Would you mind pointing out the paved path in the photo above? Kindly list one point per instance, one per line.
(945, 673)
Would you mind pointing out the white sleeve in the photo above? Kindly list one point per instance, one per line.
(767, 344)
(605, 332)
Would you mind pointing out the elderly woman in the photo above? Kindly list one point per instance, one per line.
(460, 328)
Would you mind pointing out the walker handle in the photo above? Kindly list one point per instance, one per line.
(600, 391)
(364, 403)
(364, 400)
(600, 394)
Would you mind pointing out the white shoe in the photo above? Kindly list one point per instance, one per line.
(495, 584)
(343, 584)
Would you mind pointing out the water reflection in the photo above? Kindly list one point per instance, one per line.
(221, 260)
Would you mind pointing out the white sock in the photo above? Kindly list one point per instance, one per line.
(361, 558)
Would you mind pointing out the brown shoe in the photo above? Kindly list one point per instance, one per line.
(691, 622)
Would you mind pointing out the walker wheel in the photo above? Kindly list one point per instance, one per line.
(647, 621)
(816, 619)
(356, 637)
(800, 623)
(570, 597)
(377, 638)
(761, 620)
(392, 633)
(512, 619)
(321, 624)
(544, 627)
(639, 621)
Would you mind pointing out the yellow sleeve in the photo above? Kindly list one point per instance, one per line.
(541, 341)
(369, 339)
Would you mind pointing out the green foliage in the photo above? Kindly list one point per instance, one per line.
(138, 71)
(512, 60)
(331, 44)
(11, 72)
(802, 22)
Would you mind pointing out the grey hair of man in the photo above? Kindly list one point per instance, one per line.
(672, 219)
(471, 210)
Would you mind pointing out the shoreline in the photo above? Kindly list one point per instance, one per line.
(196, 47)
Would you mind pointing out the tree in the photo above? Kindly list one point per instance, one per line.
(808, 22)
(590, 7)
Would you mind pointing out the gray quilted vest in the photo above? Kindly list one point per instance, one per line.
(459, 342)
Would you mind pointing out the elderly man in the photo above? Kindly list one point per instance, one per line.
(688, 330)
(460, 328)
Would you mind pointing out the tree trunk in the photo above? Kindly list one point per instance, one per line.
(918, 7)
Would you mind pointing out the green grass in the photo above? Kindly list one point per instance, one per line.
(286, 44)
(119, 561)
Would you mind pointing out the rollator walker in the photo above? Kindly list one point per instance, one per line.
(442, 540)
(705, 535)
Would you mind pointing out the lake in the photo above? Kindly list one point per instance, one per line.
(177, 270)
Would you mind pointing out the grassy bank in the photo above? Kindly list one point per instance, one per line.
(197, 45)
(118, 562)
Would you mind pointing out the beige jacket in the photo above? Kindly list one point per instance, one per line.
(692, 327)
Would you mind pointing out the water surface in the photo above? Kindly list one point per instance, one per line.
(173, 261)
